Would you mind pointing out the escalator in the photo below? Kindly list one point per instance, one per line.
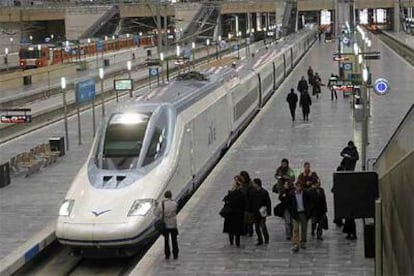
(289, 18)
(203, 23)
(107, 24)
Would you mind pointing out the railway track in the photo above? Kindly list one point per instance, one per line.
(403, 50)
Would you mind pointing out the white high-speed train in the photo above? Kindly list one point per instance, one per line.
(168, 140)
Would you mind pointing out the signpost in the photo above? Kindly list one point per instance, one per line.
(85, 92)
(153, 72)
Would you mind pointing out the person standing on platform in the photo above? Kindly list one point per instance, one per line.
(350, 157)
(302, 85)
(305, 102)
(318, 210)
(261, 204)
(247, 190)
(292, 99)
(298, 203)
(168, 208)
(234, 223)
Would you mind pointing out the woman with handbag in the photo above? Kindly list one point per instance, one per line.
(233, 221)
(284, 174)
(167, 211)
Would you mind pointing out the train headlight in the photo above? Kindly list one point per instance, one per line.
(140, 207)
(66, 207)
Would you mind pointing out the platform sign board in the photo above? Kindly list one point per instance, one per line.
(85, 91)
(347, 66)
(123, 85)
(99, 46)
(236, 47)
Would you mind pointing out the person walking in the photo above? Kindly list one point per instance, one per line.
(307, 177)
(292, 99)
(298, 203)
(331, 84)
(283, 196)
(261, 205)
(302, 85)
(350, 157)
(234, 223)
(316, 85)
(310, 75)
(168, 209)
(284, 174)
(247, 189)
(318, 210)
(305, 102)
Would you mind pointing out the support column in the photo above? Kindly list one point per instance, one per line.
(249, 23)
(237, 25)
(258, 21)
(397, 22)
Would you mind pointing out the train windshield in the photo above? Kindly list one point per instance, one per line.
(132, 140)
(123, 140)
(29, 54)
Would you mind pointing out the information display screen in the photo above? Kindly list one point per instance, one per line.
(15, 116)
(125, 84)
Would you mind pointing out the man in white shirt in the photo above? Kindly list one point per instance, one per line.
(169, 207)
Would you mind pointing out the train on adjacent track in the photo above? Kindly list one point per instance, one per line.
(167, 140)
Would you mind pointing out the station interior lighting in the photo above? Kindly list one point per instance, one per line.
(106, 38)
(365, 74)
(52, 36)
(360, 59)
(129, 65)
(193, 45)
(39, 47)
(31, 37)
(253, 30)
(11, 39)
(140, 34)
(63, 82)
(101, 73)
(162, 56)
(178, 50)
(89, 40)
(6, 51)
(356, 49)
(219, 38)
(127, 35)
(208, 42)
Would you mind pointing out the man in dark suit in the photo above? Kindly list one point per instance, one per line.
(261, 206)
(299, 206)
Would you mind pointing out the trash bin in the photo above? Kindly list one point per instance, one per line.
(57, 144)
(369, 240)
(4, 174)
(27, 80)
(148, 53)
(106, 62)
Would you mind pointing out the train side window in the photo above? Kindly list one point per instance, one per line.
(156, 146)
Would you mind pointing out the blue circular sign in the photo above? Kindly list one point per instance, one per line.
(381, 86)
(153, 72)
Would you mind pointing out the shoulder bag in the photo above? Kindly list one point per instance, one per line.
(160, 223)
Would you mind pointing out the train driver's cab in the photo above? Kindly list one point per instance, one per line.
(134, 139)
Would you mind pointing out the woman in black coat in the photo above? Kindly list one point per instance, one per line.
(305, 102)
(234, 223)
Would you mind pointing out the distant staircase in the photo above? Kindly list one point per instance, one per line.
(105, 25)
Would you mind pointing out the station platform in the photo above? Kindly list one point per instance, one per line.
(29, 204)
(403, 37)
(205, 250)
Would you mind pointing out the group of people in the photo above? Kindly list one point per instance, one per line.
(305, 100)
(248, 204)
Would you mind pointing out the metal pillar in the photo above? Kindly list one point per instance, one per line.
(378, 237)
(397, 20)
(258, 21)
(237, 25)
